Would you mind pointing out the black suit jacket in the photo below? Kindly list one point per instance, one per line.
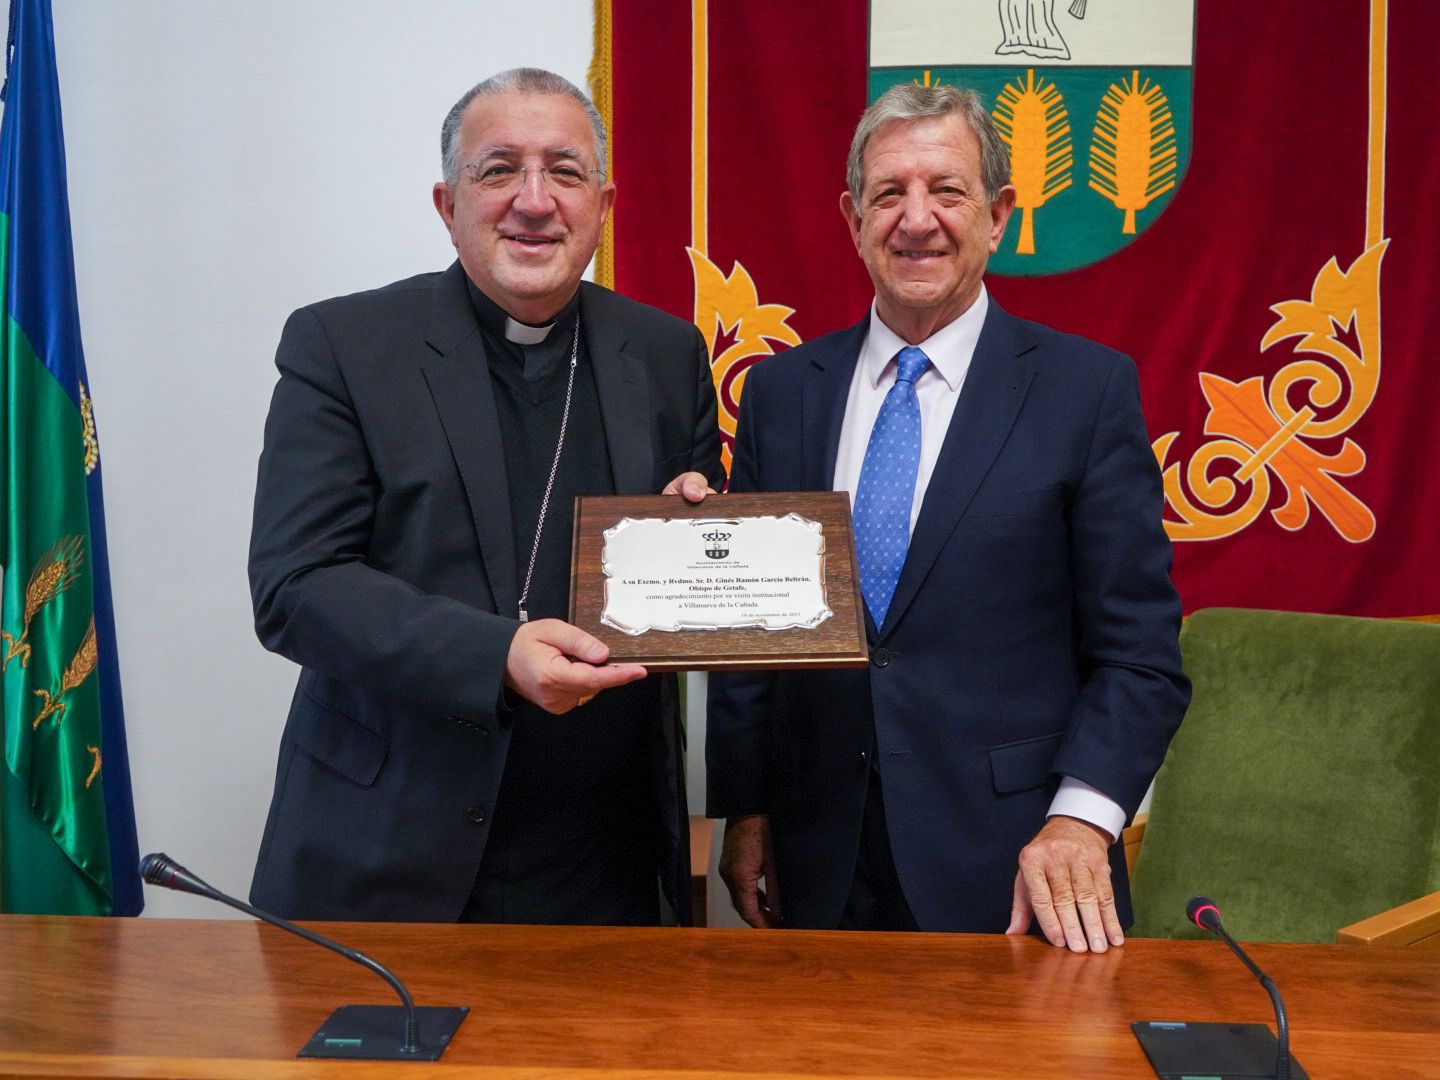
(1033, 631)
(381, 553)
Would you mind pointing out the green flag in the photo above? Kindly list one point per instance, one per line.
(67, 824)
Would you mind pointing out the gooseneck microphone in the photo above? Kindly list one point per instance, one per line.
(351, 1027)
(1203, 913)
(1191, 1048)
(158, 869)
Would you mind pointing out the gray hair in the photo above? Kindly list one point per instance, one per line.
(515, 81)
(908, 102)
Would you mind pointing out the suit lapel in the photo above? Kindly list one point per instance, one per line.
(624, 395)
(994, 389)
(458, 375)
(826, 390)
(824, 394)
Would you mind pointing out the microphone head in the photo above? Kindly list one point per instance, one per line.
(1201, 910)
(158, 869)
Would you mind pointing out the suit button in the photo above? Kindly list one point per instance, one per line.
(864, 755)
(880, 657)
(475, 815)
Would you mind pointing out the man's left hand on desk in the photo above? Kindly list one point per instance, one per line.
(1064, 882)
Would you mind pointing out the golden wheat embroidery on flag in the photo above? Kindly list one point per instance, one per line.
(1133, 156)
(1033, 121)
(87, 420)
(76, 672)
(55, 571)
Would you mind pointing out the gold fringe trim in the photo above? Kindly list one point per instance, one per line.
(601, 77)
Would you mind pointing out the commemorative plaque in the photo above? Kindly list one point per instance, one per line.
(737, 582)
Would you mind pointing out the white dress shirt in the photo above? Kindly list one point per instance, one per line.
(950, 350)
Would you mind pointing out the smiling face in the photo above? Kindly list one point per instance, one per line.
(525, 247)
(924, 226)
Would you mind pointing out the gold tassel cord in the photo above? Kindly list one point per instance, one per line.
(76, 672)
(1033, 121)
(1133, 155)
(54, 572)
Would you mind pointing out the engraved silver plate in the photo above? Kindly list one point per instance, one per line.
(714, 574)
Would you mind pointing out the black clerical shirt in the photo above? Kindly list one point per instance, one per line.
(576, 829)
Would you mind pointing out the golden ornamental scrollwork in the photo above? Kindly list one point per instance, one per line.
(1263, 433)
(1281, 432)
(738, 332)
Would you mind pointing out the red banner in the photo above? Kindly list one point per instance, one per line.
(1249, 287)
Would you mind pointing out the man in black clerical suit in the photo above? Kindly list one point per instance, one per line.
(454, 750)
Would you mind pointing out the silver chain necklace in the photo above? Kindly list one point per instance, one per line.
(554, 468)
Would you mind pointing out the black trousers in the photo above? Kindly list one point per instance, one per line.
(876, 900)
(575, 835)
(553, 888)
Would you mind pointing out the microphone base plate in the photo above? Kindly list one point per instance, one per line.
(1220, 1051)
(376, 1032)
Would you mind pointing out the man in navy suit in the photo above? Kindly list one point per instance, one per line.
(1024, 676)
(411, 550)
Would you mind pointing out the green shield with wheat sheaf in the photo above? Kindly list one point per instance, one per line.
(1091, 96)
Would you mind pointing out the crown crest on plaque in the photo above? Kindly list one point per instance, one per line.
(717, 544)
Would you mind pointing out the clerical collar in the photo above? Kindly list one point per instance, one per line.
(524, 334)
(496, 320)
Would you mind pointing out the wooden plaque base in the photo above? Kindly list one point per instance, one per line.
(839, 641)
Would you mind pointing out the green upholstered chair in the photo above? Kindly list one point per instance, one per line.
(1302, 791)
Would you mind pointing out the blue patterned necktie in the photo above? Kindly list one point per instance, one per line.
(887, 486)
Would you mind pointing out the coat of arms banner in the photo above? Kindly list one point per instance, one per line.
(1232, 193)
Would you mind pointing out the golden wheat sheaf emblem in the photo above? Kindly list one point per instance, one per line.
(1060, 66)
(1133, 154)
(1031, 118)
(81, 665)
(87, 431)
(54, 572)
(738, 331)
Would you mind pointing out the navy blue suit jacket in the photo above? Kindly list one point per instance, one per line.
(1033, 632)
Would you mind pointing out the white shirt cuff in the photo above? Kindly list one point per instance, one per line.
(1078, 799)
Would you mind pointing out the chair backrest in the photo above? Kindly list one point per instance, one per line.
(1302, 791)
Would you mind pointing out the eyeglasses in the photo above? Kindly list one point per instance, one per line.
(502, 177)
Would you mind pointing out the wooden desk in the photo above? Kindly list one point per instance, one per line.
(182, 998)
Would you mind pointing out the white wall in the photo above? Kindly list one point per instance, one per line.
(229, 162)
